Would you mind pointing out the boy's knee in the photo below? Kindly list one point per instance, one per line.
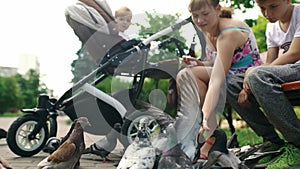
(255, 78)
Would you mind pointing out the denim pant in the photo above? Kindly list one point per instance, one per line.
(265, 84)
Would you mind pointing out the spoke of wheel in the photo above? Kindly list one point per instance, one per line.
(133, 135)
(154, 128)
(24, 142)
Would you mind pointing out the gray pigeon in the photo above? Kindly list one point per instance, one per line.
(69, 152)
(4, 164)
(219, 155)
(106, 145)
(140, 154)
(173, 156)
(189, 116)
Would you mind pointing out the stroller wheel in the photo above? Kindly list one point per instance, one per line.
(131, 124)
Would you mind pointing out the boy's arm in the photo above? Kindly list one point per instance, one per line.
(291, 56)
(272, 55)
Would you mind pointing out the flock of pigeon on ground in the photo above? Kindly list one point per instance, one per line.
(173, 148)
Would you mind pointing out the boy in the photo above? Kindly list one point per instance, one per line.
(264, 82)
(123, 17)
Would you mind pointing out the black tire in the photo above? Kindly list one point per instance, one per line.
(130, 127)
(18, 141)
(52, 125)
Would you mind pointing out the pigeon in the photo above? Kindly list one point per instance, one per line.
(3, 133)
(219, 155)
(189, 115)
(140, 154)
(106, 145)
(4, 164)
(69, 152)
(173, 156)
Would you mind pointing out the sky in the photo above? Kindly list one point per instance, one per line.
(39, 28)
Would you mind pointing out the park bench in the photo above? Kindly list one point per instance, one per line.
(292, 91)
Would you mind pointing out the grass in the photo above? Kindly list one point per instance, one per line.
(245, 136)
(9, 114)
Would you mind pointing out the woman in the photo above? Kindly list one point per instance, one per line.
(235, 47)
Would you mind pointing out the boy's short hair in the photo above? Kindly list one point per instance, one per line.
(120, 12)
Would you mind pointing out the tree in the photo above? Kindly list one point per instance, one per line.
(259, 30)
(246, 4)
(158, 22)
(10, 95)
(82, 66)
(30, 88)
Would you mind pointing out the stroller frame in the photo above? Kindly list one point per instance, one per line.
(42, 119)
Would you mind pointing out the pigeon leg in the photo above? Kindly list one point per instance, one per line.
(107, 160)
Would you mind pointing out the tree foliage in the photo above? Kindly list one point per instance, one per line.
(20, 91)
(82, 66)
(10, 96)
(259, 31)
(243, 5)
(158, 22)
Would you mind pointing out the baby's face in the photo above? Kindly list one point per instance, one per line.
(124, 21)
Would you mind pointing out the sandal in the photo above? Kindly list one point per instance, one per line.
(198, 155)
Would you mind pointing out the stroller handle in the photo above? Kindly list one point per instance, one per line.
(167, 31)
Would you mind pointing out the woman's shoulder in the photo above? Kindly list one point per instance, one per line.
(232, 21)
(233, 24)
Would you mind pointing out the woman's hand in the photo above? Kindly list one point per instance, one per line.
(189, 61)
(204, 127)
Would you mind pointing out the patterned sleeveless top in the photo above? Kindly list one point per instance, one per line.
(243, 57)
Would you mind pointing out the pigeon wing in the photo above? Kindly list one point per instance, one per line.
(64, 152)
(189, 114)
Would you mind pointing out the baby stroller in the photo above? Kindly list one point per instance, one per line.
(28, 134)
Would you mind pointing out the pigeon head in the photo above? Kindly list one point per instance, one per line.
(83, 121)
(220, 142)
(143, 132)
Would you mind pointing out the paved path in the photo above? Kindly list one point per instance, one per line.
(87, 161)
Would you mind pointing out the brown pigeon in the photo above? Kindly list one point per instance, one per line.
(4, 164)
(68, 153)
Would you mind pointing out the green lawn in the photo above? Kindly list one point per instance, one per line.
(9, 114)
